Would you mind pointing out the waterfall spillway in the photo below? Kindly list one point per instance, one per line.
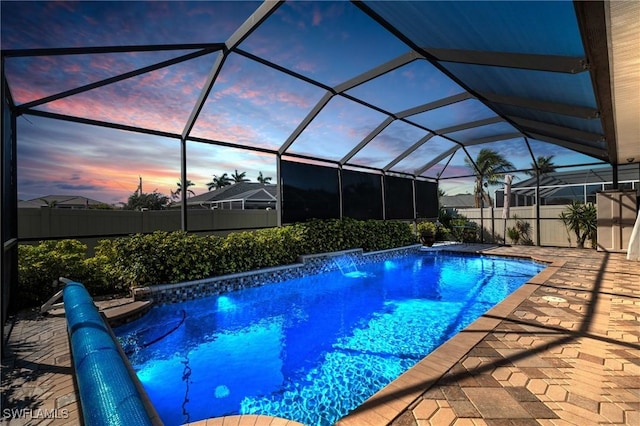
(347, 266)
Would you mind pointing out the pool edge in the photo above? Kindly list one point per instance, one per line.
(383, 407)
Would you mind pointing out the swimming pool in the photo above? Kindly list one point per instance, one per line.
(311, 349)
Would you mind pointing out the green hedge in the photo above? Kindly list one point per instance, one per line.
(169, 257)
(39, 266)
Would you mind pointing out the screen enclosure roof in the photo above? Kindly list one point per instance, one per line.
(407, 87)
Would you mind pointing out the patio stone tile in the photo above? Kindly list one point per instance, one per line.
(425, 409)
(464, 408)
(444, 416)
(496, 403)
(612, 412)
(454, 393)
(405, 419)
(538, 410)
(521, 394)
(433, 393)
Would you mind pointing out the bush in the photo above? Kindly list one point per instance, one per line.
(161, 257)
(169, 257)
(321, 236)
(40, 266)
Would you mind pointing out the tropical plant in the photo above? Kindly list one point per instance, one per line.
(263, 179)
(513, 235)
(582, 220)
(176, 194)
(489, 168)
(427, 232)
(545, 165)
(219, 181)
(239, 177)
(146, 201)
(521, 232)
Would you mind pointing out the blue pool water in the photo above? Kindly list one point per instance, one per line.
(311, 349)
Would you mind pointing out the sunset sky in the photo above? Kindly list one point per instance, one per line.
(250, 104)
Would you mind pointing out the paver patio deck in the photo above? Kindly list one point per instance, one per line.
(564, 349)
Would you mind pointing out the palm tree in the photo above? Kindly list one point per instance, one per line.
(219, 182)
(51, 204)
(490, 168)
(263, 179)
(239, 177)
(545, 165)
(175, 195)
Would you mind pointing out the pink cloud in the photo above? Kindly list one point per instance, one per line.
(72, 68)
(316, 18)
(306, 66)
(91, 20)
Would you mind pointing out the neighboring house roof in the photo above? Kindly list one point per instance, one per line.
(235, 191)
(588, 176)
(60, 201)
(567, 185)
(247, 191)
(458, 201)
(259, 194)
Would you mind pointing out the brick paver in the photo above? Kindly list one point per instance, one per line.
(562, 350)
(568, 354)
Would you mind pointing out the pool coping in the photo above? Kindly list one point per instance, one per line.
(388, 403)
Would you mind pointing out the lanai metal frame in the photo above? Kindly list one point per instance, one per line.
(591, 17)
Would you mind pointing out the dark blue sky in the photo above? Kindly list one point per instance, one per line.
(250, 104)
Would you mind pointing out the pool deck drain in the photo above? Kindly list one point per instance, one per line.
(531, 360)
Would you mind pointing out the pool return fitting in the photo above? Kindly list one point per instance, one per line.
(110, 393)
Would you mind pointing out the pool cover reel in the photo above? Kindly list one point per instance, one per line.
(108, 394)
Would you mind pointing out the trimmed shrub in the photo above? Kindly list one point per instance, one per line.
(160, 257)
(40, 265)
(169, 257)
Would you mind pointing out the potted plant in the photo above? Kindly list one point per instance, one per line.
(427, 233)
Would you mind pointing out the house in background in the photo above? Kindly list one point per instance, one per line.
(237, 196)
(61, 202)
(560, 188)
(459, 201)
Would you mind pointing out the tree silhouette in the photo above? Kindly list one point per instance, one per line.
(176, 194)
(545, 165)
(263, 179)
(51, 204)
(491, 166)
(219, 182)
(239, 177)
(146, 201)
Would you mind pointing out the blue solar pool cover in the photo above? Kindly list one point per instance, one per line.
(108, 395)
